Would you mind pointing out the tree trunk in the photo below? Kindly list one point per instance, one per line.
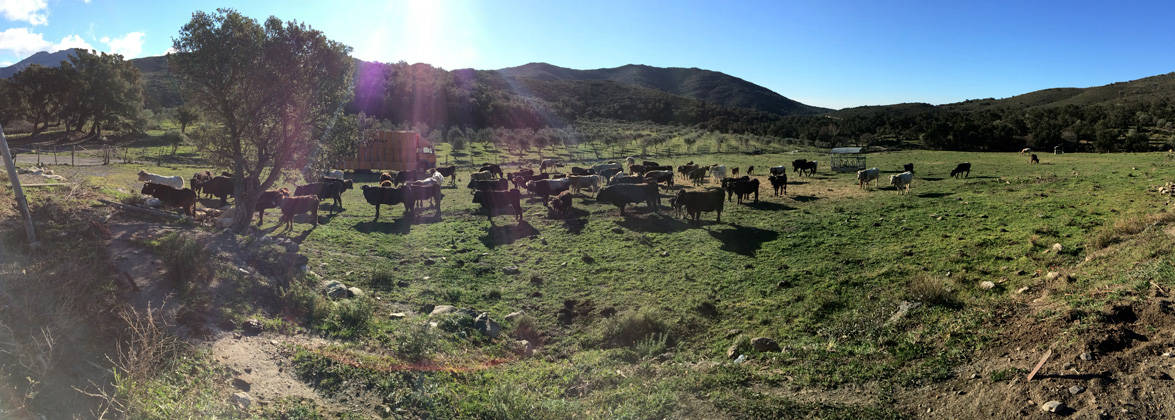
(246, 204)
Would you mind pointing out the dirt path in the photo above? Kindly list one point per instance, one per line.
(261, 363)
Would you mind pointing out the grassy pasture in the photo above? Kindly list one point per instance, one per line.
(820, 270)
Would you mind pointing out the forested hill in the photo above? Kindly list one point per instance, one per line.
(1147, 89)
(704, 85)
(42, 58)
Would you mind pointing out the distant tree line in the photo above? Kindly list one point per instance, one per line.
(89, 91)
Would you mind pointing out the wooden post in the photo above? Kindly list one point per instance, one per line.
(72, 151)
(36, 151)
(16, 190)
(54, 155)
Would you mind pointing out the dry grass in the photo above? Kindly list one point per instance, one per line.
(932, 290)
(1128, 226)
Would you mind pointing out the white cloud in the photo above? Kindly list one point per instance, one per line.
(22, 42)
(129, 45)
(35, 12)
(5, 63)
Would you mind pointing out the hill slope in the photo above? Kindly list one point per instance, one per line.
(704, 85)
(42, 58)
(1141, 90)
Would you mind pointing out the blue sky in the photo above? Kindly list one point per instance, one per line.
(827, 53)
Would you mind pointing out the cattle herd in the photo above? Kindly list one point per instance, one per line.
(500, 193)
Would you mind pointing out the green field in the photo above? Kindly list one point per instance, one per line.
(632, 316)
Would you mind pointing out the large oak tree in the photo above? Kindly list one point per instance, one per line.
(272, 91)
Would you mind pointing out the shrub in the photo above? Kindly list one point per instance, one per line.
(630, 327)
(415, 344)
(383, 278)
(355, 314)
(186, 260)
(932, 291)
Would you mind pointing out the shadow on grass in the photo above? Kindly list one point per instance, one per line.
(743, 240)
(574, 220)
(652, 222)
(934, 195)
(932, 179)
(507, 234)
(805, 198)
(399, 226)
(769, 206)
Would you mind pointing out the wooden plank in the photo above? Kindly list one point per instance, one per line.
(21, 201)
(1038, 365)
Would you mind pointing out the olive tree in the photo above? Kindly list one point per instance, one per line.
(271, 92)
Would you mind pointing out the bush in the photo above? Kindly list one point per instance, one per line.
(932, 291)
(355, 314)
(630, 327)
(383, 278)
(415, 344)
(186, 260)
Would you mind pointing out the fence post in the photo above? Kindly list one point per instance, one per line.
(54, 155)
(17, 191)
(72, 151)
(37, 152)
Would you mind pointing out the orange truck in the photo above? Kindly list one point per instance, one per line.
(392, 150)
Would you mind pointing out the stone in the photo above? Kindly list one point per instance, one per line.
(903, 308)
(242, 400)
(1053, 406)
(511, 270)
(355, 291)
(510, 317)
(241, 384)
(1058, 247)
(1052, 275)
(974, 376)
(442, 309)
(397, 315)
(336, 290)
(1076, 389)
(487, 326)
(664, 253)
(986, 285)
(252, 326)
(1086, 356)
(764, 344)
(1022, 290)
(732, 351)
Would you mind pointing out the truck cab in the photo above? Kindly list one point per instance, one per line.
(397, 150)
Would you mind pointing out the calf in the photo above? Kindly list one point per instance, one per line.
(404, 177)
(608, 173)
(197, 181)
(698, 175)
(779, 182)
(865, 176)
(1033, 159)
(271, 199)
(428, 190)
(622, 194)
(750, 169)
(909, 167)
(560, 204)
(734, 171)
(481, 176)
(901, 182)
(718, 171)
(292, 206)
(377, 196)
(798, 165)
(697, 202)
(685, 170)
(600, 168)
(173, 197)
(176, 181)
(495, 201)
(962, 170)
(806, 167)
(636, 169)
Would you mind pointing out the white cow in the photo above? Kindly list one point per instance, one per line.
(579, 182)
(865, 176)
(718, 171)
(901, 182)
(176, 182)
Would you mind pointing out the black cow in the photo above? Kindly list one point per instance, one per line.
(778, 183)
(220, 187)
(909, 167)
(271, 199)
(621, 195)
(495, 201)
(495, 185)
(377, 196)
(962, 170)
(493, 169)
(696, 202)
(185, 198)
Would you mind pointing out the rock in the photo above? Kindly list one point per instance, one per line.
(1053, 406)
(336, 290)
(355, 291)
(1052, 275)
(617, 230)
(252, 327)
(588, 259)
(429, 261)
(511, 270)
(241, 384)
(1086, 356)
(242, 400)
(664, 253)
(1058, 247)
(510, 317)
(523, 346)
(442, 309)
(903, 308)
(764, 344)
(1021, 290)
(986, 285)
(397, 315)
(1076, 389)
(732, 351)
(153, 202)
(487, 326)
(974, 376)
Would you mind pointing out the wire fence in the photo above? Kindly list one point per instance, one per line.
(81, 155)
